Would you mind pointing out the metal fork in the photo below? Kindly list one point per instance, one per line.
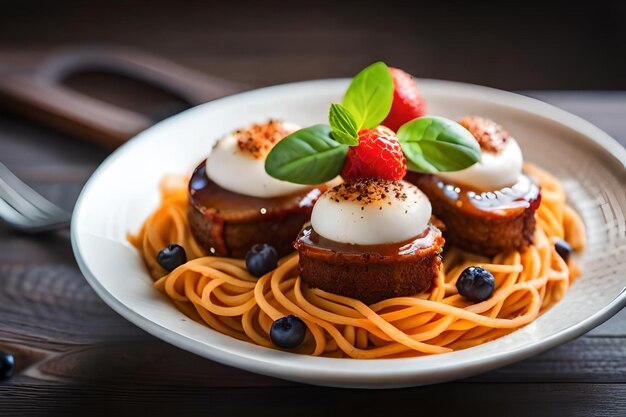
(24, 209)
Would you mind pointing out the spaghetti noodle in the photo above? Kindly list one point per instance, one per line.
(222, 294)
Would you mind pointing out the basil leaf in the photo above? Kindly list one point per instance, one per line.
(437, 144)
(345, 128)
(307, 156)
(370, 95)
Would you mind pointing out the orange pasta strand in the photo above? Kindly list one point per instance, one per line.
(220, 293)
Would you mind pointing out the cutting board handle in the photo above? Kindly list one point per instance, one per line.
(38, 91)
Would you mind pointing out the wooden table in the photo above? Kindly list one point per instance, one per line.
(76, 356)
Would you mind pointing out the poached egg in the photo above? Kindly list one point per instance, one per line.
(371, 211)
(494, 171)
(237, 161)
(501, 160)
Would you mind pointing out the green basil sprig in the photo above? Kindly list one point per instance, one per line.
(307, 156)
(437, 144)
(367, 102)
(316, 154)
(370, 95)
(344, 127)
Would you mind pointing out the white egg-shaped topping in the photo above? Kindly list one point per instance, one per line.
(501, 159)
(371, 212)
(237, 162)
(494, 171)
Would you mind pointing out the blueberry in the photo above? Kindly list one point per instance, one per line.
(171, 257)
(261, 259)
(6, 365)
(563, 248)
(288, 332)
(475, 284)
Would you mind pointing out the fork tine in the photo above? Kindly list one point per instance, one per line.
(19, 203)
(23, 198)
(17, 221)
(10, 215)
(24, 190)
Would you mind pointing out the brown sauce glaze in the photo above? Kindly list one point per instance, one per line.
(525, 194)
(310, 241)
(205, 194)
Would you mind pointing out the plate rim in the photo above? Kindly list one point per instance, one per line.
(362, 378)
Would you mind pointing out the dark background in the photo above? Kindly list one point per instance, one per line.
(510, 45)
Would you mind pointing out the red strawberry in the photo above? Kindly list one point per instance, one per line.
(407, 104)
(378, 154)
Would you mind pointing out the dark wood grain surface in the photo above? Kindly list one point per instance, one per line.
(75, 356)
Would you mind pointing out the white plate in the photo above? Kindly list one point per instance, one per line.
(123, 191)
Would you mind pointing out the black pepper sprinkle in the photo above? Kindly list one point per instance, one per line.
(258, 139)
(368, 190)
